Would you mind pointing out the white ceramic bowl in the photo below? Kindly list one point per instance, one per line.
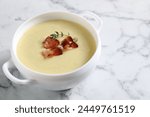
(54, 81)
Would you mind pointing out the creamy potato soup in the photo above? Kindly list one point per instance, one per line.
(55, 46)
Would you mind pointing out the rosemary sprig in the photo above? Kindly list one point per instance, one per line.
(62, 34)
(56, 34)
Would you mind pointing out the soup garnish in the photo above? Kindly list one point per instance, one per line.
(54, 47)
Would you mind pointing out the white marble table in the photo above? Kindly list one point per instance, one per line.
(124, 66)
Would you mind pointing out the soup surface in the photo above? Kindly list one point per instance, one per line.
(30, 47)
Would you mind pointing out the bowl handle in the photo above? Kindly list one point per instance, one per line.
(92, 17)
(6, 66)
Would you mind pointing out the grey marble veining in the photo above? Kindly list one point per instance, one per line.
(123, 71)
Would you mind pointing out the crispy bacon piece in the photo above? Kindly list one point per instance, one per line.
(74, 45)
(52, 52)
(50, 43)
(46, 53)
(54, 48)
(68, 43)
(56, 51)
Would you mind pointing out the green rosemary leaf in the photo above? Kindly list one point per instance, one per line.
(57, 33)
(62, 34)
(54, 36)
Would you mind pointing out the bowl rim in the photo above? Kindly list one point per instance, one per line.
(98, 46)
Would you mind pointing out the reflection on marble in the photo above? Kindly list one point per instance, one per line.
(123, 71)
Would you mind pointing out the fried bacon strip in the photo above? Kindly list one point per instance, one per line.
(68, 43)
(52, 52)
(50, 43)
(54, 47)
